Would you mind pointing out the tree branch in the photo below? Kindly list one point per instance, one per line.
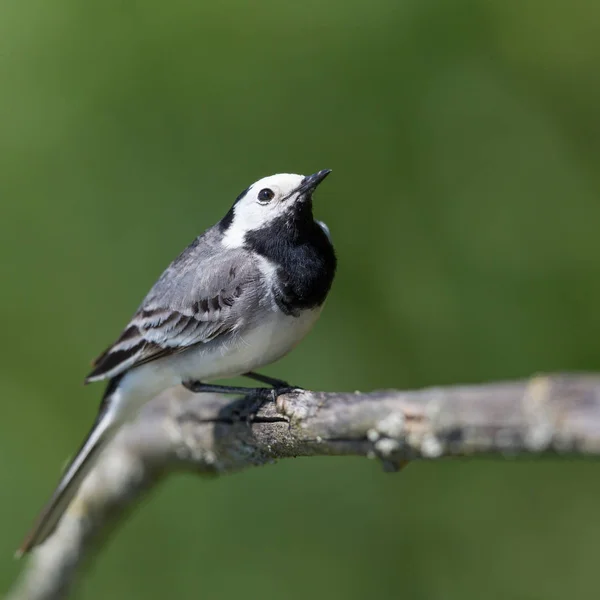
(206, 433)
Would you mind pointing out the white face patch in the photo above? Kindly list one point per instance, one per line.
(264, 201)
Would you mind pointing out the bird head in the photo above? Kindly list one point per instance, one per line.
(284, 199)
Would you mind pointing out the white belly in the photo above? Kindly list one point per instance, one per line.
(249, 350)
(222, 358)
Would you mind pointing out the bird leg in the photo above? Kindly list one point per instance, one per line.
(198, 387)
(278, 384)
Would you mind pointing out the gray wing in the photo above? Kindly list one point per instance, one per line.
(206, 292)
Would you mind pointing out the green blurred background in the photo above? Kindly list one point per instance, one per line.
(464, 140)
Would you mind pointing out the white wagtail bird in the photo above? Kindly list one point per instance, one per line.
(239, 297)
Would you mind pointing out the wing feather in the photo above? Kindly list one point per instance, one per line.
(205, 293)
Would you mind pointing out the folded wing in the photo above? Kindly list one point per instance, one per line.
(203, 294)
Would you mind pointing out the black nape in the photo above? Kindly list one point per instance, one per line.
(225, 222)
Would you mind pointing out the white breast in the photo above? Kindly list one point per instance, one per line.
(249, 350)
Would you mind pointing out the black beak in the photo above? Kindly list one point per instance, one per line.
(310, 182)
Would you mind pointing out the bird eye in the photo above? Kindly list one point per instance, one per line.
(266, 195)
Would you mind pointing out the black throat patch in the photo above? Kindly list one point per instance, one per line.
(304, 256)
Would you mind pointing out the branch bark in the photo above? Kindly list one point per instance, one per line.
(206, 433)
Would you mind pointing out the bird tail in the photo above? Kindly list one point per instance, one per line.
(102, 432)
